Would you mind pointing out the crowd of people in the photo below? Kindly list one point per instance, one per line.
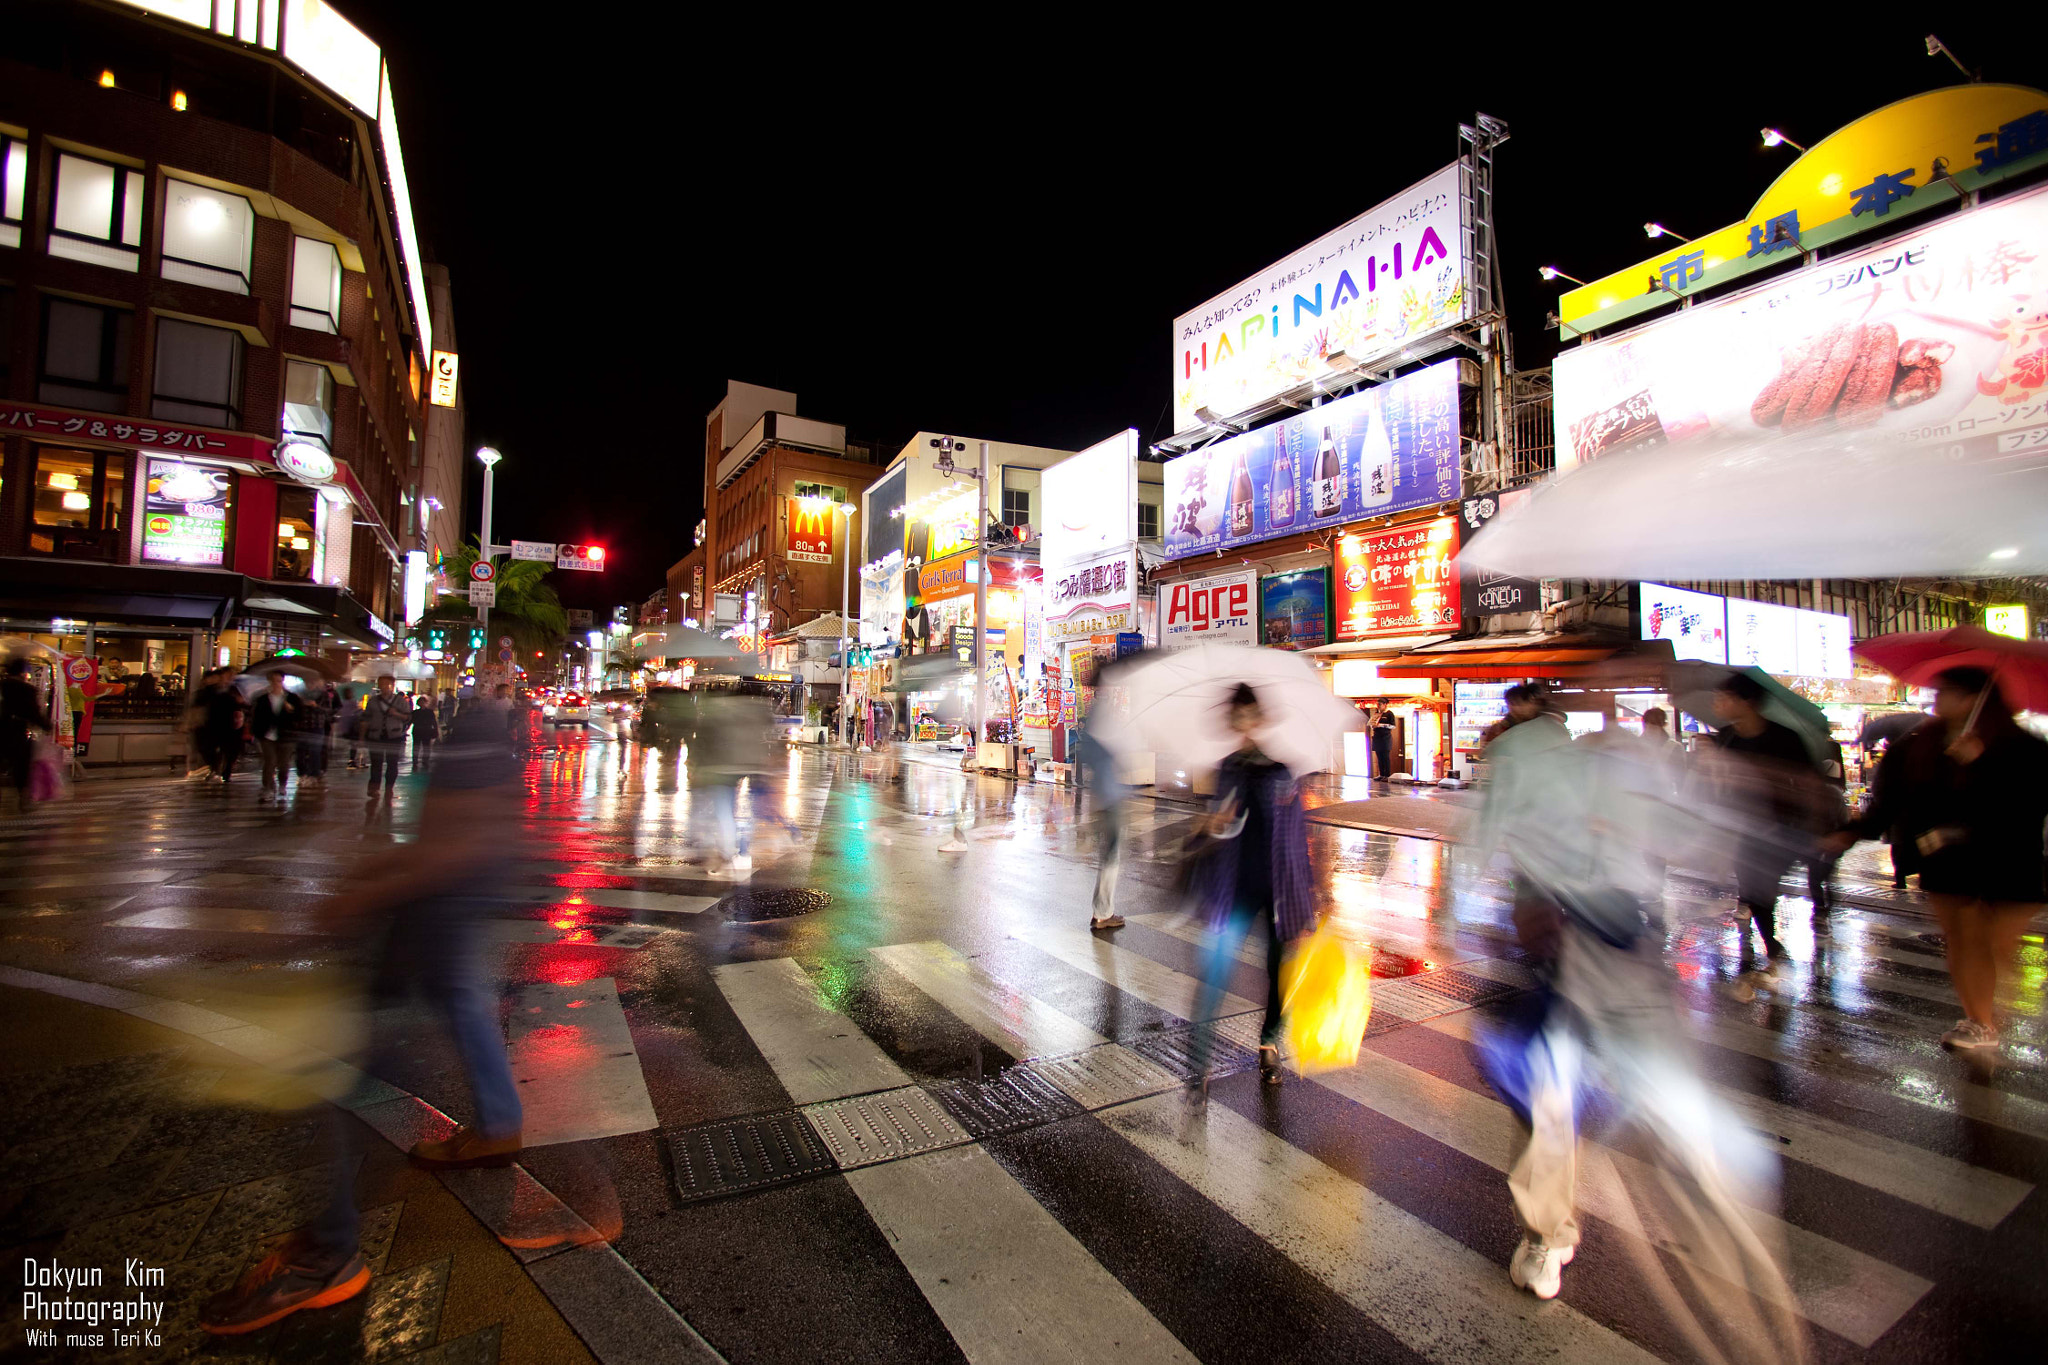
(294, 731)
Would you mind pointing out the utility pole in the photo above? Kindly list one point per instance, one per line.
(985, 566)
(489, 456)
(845, 575)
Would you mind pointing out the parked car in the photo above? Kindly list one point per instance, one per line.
(571, 708)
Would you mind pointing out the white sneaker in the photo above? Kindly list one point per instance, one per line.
(1967, 1034)
(1538, 1268)
(743, 863)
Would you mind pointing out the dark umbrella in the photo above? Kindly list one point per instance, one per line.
(1893, 725)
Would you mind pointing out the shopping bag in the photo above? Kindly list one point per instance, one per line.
(1326, 996)
(45, 772)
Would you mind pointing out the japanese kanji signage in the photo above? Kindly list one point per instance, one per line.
(1935, 337)
(1383, 281)
(1920, 153)
(542, 551)
(1094, 598)
(810, 530)
(1391, 448)
(34, 419)
(1221, 610)
(1295, 608)
(1401, 581)
(185, 512)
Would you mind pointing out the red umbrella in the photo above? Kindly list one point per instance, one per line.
(2020, 666)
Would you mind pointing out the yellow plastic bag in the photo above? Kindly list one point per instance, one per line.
(1326, 994)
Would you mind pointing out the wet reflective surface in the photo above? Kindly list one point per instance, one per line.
(1362, 1214)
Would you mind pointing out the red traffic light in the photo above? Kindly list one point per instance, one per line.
(596, 552)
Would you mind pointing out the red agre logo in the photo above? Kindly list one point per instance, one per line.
(1201, 607)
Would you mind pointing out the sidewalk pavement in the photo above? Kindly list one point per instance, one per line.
(117, 1142)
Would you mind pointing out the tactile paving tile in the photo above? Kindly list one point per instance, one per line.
(1463, 986)
(1019, 1098)
(1228, 1052)
(1408, 1000)
(731, 1155)
(895, 1123)
(1106, 1075)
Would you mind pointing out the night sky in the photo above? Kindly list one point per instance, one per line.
(994, 240)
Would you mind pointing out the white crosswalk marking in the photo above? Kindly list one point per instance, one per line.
(1130, 972)
(1440, 1298)
(575, 1064)
(1008, 1281)
(1020, 1024)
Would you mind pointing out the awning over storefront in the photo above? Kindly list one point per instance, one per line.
(1376, 649)
(1595, 660)
(37, 588)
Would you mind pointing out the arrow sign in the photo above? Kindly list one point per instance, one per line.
(483, 571)
(542, 550)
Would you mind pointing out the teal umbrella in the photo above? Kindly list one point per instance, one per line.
(1692, 691)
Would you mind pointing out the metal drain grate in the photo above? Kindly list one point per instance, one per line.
(1105, 1075)
(730, 1155)
(748, 907)
(895, 1123)
(1175, 1051)
(1019, 1098)
(1463, 986)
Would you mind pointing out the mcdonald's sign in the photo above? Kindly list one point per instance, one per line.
(810, 530)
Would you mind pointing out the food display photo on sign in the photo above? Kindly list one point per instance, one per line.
(1399, 581)
(185, 513)
(1388, 449)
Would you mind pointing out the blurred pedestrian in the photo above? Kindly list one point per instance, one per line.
(1968, 790)
(1252, 864)
(273, 718)
(1521, 786)
(426, 728)
(1831, 815)
(446, 707)
(1110, 798)
(387, 715)
(20, 719)
(316, 723)
(1773, 790)
(730, 742)
(225, 715)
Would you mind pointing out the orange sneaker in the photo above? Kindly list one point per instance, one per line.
(466, 1147)
(280, 1285)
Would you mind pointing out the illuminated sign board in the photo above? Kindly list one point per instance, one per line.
(1295, 609)
(1696, 623)
(441, 391)
(1090, 502)
(185, 513)
(1209, 611)
(1403, 580)
(810, 530)
(2007, 620)
(1369, 289)
(305, 462)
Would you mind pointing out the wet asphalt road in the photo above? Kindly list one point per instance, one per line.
(1363, 1215)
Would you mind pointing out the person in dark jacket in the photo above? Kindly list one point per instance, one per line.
(225, 716)
(1969, 791)
(426, 728)
(1776, 794)
(387, 715)
(20, 717)
(1255, 865)
(273, 720)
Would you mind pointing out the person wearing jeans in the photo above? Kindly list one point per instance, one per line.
(387, 715)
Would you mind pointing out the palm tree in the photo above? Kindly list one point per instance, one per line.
(527, 608)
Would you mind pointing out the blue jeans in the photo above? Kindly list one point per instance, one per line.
(1217, 960)
(722, 802)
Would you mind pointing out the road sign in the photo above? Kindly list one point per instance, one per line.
(589, 558)
(504, 656)
(504, 642)
(542, 550)
(483, 571)
(483, 594)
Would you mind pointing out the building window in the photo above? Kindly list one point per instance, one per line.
(96, 213)
(831, 492)
(13, 188)
(309, 403)
(316, 285)
(1016, 507)
(80, 497)
(208, 236)
(297, 533)
(85, 356)
(198, 374)
(1148, 521)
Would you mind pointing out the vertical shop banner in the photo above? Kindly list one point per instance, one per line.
(1388, 449)
(1296, 609)
(1220, 610)
(1487, 593)
(1089, 502)
(810, 530)
(1403, 580)
(1932, 338)
(1380, 283)
(185, 512)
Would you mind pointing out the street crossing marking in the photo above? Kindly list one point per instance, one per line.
(817, 1053)
(1439, 1297)
(1129, 972)
(1019, 1023)
(574, 1062)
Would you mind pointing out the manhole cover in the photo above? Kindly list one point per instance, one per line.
(745, 907)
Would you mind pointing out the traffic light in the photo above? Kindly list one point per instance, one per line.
(586, 557)
(476, 637)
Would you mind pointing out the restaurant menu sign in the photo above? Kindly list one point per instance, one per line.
(1387, 449)
(1935, 337)
(1400, 581)
(1296, 609)
(1381, 282)
(185, 513)
(1220, 610)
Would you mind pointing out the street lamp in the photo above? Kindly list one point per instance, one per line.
(1659, 230)
(1551, 272)
(488, 456)
(845, 575)
(1772, 138)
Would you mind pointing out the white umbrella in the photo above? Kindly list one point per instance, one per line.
(1826, 505)
(1176, 705)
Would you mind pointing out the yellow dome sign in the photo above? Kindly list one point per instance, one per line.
(1917, 154)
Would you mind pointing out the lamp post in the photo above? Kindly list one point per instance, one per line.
(981, 605)
(488, 456)
(845, 577)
